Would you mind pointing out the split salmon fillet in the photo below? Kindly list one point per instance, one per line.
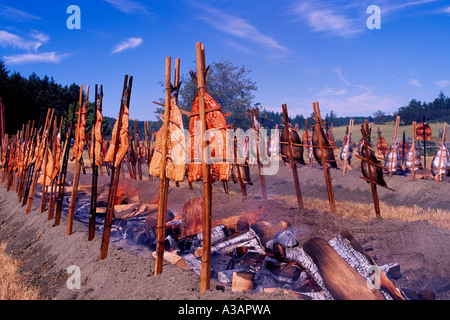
(219, 142)
(176, 148)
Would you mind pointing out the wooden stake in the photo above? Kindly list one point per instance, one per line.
(51, 205)
(326, 169)
(36, 170)
(93, 206)
(115, 172)
(207, 194)
(241, 183)
(413, 153)
(349, 138)
(63, 172)
(373, 186)
(424, 145)
(163, 181)
(76, 179)
(253, 116)
(442, 154)
(394, 145)
(291, 157)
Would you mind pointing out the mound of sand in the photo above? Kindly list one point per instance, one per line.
(45, 252)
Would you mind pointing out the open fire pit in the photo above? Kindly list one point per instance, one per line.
(250, 254)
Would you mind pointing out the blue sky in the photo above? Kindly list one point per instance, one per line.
(298, 51)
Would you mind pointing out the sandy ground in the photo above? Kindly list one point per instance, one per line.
(45, 252)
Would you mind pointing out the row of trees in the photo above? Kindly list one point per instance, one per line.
(435, 111)
(28, 99)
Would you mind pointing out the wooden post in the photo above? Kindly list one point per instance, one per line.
(253, 116)
(237, 166)
(349, 138)
(298, 191)
(76, 179)
(373, 186)
(63, 172)
(424, 146)
(93, 206)
(36, 169)
(46, 157)
(442, 154)
(413, 153)
(176, 82)
(326, 169)
(397, 123)
(307, 145)
(163, 182)
(137, 145)
(115, 172)
(51, 205)
(207, 194)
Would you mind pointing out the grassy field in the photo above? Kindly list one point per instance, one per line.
(12, 286)
(363, 211)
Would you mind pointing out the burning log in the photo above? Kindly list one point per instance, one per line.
(134, 210)
(349, 285)
(191, 214)
(269, 234)
(299, 256)
(242, 281)
(246, 239)
(385, 283)
(173, 259)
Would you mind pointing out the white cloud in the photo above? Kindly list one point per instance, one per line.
(415, 82)
(348, 18)
(131, 7)
(127, 44)
(443, 83)
(35, 40)
(329, 17)
(236, 26)
(45, 57)
(446, 10)
(13, 14)
(354, 99)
